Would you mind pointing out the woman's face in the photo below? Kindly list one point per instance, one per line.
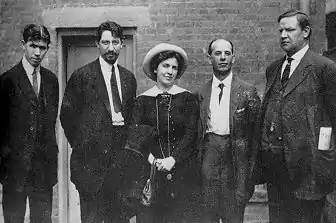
(167, 72)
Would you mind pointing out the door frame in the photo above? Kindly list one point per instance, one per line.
(63, 163)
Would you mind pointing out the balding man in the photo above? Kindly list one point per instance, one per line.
(228, 117)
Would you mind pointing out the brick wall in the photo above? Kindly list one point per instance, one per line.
(191, 24)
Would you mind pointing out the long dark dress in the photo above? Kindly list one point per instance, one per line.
(176, 196)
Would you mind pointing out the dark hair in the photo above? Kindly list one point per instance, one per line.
(210, 46)
(301, 17)
(35, 32)
(164, 55)
(115, 29)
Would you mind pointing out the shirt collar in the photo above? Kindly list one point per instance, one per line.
(28, 67)
(227, 81)
(154, 91)
(299, 54)
(106, 65)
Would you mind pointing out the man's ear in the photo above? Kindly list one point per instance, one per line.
(233, 58)
(121, 43)
(209, 59)
(306, 31)
(23, 44)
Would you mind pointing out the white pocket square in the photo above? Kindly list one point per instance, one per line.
(240, 110)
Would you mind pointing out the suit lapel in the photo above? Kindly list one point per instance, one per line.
(299, 74)
(274, 73)
(234, 94)
(100, 86)
(123, 85)
(205, 97)
(45, 88)
(234, 98)
(26, 86)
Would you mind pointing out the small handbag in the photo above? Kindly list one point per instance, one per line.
(149, 190)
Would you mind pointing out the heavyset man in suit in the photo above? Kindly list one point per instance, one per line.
(228, 118)
(28, 149)
(329, 210)
(95, 113)
(299, 106)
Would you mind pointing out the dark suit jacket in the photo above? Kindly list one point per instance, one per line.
(309, 103)
(28, 139)
(329, 211)
(244, 108)
(86, 119)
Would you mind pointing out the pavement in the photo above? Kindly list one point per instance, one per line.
(255, 212)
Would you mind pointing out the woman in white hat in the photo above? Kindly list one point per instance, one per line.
(171, 112)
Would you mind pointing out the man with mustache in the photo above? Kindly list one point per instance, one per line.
(28, 149)
(228, 119)
(298, 123)
(96, 111)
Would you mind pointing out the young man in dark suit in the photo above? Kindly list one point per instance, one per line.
(228, 119)
(298, 122)
(28, 149)
(95, 113)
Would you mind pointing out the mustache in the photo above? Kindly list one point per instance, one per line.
(111, 54)
(36, 59)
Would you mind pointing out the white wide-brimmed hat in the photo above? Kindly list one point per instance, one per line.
(146, 65)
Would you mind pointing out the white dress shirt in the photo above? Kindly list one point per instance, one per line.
(29, 71)
(296, 60)
(219, 113)
(106, 69)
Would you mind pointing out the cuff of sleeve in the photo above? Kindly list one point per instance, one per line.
(151, 158)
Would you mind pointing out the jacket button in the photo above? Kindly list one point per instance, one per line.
(31, 113)
(31, 128)
(280, 138)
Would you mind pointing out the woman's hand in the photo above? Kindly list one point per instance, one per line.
(165, 164)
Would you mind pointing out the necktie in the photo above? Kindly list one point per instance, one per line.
(285, 74)
(221, 86)
(35, 84)
(115, 92)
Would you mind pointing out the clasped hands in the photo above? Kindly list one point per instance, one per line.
(165, 164)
